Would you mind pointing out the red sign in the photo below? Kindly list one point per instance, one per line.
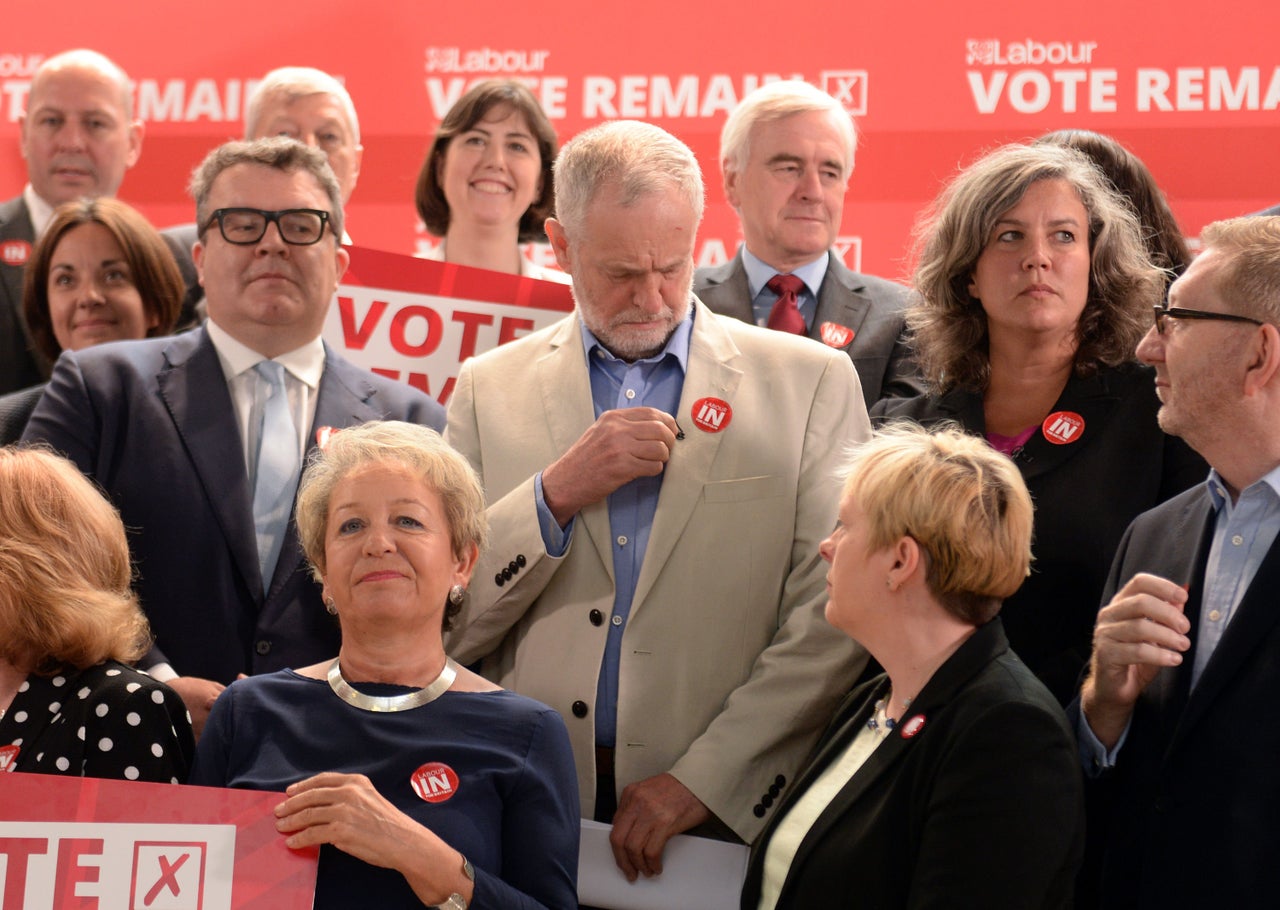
(84, 842)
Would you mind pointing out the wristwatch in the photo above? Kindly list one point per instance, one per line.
(456, 901)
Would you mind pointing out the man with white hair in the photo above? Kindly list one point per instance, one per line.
(786, 156)
(78, 136)
(658, 481)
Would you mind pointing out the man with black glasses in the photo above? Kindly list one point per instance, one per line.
(199, 439)
(1178, 726)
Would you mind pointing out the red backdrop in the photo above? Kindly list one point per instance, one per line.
(1193, 90)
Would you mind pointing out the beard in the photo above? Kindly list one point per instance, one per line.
(633, 334)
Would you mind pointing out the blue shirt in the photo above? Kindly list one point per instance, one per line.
(1243, 533)
(654, 382)
(763, 299)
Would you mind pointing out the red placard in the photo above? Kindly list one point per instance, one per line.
(84, 842)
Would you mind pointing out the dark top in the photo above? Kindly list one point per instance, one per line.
(15, 411)
(1085, 493)
(1188, 817)
(973, 801)
(106, 721)
(513, 811)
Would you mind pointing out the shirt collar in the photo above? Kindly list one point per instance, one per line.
(677, 345)
(1218, 487)
(305, 363)
(759, 272)
(40, 211)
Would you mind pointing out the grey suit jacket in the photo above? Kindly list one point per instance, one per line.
(872, 308)
(20, 365)
(152, 422)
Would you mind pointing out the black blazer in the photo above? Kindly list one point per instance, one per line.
(20, 365)
(1190, 815)
(1085, 493)
(872, 307)
(152, 422)
(982, 807)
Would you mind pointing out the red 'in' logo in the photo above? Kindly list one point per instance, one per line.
(15, 252)
(711, 414)
(435, 782)
(1062, 427)
(835, 335)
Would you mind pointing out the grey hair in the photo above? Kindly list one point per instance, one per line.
(279, 152)
(293, 82)
(639, 158)
(776, 101)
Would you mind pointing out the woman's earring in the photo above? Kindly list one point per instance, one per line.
(456, 594)
(330, 606)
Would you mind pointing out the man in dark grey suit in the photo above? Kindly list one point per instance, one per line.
(1177, 720)
(180, 430)
(78, 136)
(786, 154)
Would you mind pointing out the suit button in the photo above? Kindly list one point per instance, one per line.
(513, 566)
(780, 781)
(758, 810)
(521, 561)
(579, 709)
(506, 574)
(774, 790)
(766, 800)
(263, 647)
(596, 617)
(499, 580)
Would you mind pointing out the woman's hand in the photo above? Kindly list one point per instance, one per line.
(346, 811)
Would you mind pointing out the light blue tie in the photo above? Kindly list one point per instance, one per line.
(278, 466)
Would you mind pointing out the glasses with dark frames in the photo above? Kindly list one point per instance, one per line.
(245, 226)
(1176, 312)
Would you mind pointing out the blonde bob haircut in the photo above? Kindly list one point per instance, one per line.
(65, 597)
(381, 443)
(964, 503)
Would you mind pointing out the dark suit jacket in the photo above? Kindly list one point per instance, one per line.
(1190, 815)
(20, 365)
(872, 307)
(152, 422)
(981, 808)
(15, 411)
(1085, 495)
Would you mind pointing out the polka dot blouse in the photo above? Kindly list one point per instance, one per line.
(107, 721)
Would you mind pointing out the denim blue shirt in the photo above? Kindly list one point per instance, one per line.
(763, 299)
(1243, 533)
(654, 382)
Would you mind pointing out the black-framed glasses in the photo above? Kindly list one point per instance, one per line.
(244, 226)
(1177, 312)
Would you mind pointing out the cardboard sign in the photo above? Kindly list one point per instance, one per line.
(89, 844)
(416, 320)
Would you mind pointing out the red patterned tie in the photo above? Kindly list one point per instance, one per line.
(785, 315)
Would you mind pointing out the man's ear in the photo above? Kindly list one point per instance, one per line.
(559, 244)
(1264, 363)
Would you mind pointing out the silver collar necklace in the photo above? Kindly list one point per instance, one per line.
(389, 703)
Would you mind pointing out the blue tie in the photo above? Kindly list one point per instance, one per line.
(278, 465)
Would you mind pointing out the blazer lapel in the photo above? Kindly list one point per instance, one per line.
(563, 379)
(840, 300)
(194, 391)
(1089, 399)
(1250, 629)
(709, 374)
(725, 290)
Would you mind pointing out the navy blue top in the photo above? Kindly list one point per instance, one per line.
(513, 812)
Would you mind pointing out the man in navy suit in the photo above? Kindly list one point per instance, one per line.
(1177, 720)
(172, 428)
(786, 155)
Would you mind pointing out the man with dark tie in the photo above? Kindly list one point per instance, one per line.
(1177, 720)
(786, 155)
(199, 438)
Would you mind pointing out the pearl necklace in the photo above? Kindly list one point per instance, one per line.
(390, 703)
